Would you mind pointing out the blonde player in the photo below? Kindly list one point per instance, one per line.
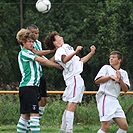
(29, 64)
(73, 65)
(111, 79)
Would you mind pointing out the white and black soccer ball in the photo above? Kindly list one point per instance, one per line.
(43, 6)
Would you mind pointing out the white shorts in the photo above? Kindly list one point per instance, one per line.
(109, 108)
(74, 90)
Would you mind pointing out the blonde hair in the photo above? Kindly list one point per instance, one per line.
(23, 35)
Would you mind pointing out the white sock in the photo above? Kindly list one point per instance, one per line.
(34, 124)
(69, 121)
(100, 131)
(41, 111)
(63, 125)
(121, 131)
(22, 125)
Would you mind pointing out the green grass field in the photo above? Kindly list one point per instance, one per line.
(77, 129)
(86, 118)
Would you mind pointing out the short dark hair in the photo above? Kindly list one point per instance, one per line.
(118, 53)
(32, 26)
(49, 39)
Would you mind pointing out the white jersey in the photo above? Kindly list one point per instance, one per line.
(72, 67)
(111, 88)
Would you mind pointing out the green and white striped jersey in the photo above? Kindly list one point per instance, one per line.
(30, 69)
(38, 46)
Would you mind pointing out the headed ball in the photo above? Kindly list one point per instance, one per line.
(43, 6)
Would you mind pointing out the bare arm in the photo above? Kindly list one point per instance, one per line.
(122, 84)
(69, 57)
(103, 79)
(89, 55)
(116, 79)
(52, 59)
(42, 52)
(47, 63)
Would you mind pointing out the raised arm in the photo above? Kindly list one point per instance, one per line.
(89, 55)
(69, 57)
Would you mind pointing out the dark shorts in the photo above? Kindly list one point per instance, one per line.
(43, 87)
(29, 97)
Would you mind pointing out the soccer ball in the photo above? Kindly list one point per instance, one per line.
(43, 6)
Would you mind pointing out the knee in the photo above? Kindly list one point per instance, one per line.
(105, 126)
(43, 102)
(71, 106)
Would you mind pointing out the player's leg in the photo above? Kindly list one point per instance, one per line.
(104, 127)
(42, 105)
(120, 119)
(77, 87)
(43, 93)
(71, 107)
(68, 118)
(34, 110)
(22, 123)
(63, 125)
(106, 106)
(73, 94)
(24, 109)
(122, 123)
(23, 120)
(34, 122)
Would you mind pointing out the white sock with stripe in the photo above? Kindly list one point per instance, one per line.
(41, 111)
(34, 124)
(22, 125)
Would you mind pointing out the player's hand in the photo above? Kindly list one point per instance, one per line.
(53, 51)
(93, 48)
(118, 74)
(79, 48)
(114, 78)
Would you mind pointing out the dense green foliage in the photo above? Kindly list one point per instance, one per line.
(105, 23)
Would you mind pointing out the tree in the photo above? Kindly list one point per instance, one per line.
(104, 23)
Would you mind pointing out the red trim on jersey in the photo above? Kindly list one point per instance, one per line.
(103, 105)
(74, 86)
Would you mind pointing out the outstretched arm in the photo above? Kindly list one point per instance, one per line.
(47, 62)
(42, 52)
(89, 55)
